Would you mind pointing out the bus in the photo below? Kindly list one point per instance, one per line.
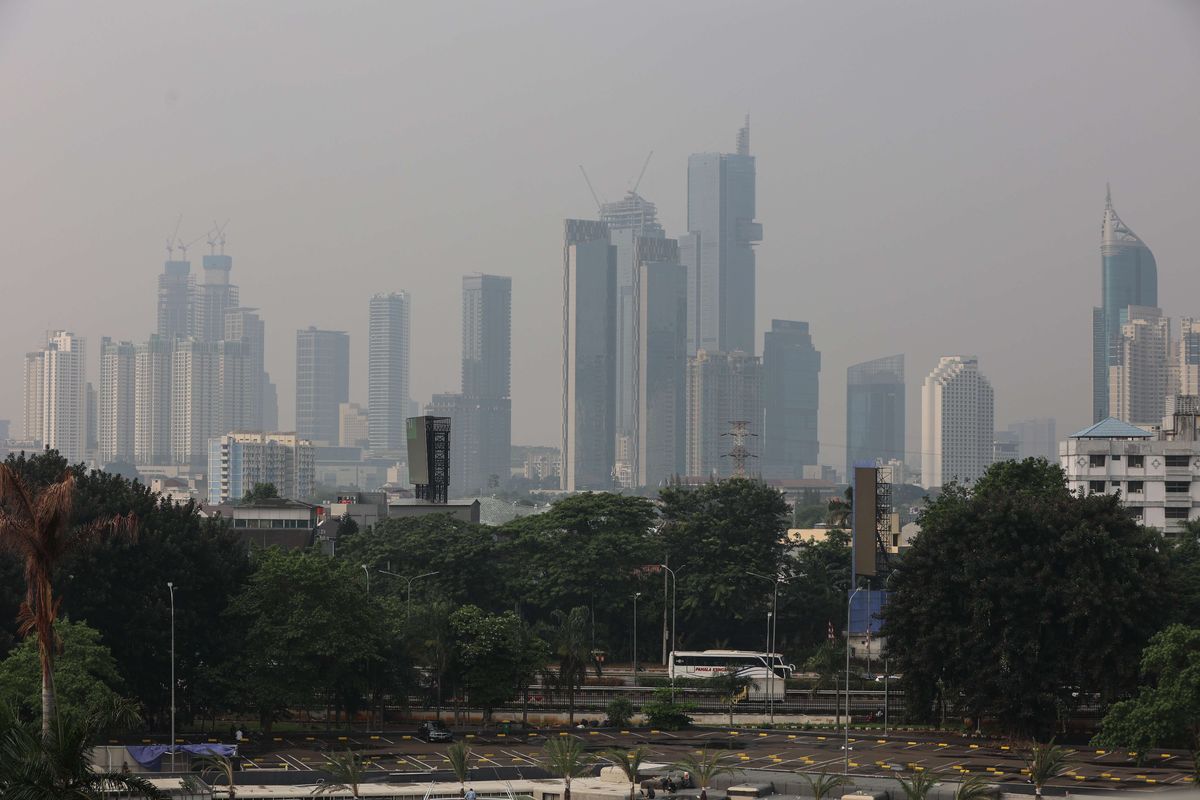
(766, 671)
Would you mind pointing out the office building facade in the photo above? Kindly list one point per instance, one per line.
(791, 368)
(722, 388)
(660, 395)
(957, 422)
(322, 383)
(875, 408)
(388, 393)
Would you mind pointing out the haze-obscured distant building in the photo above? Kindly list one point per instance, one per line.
(875, 411)
(213, 298)
(1129, 277)
(722, 388)
(322, 383)
(388, 393)
(56, 395)
(791, 368)
(117, 401)
(353, 428)
(589, 356)
(660, 395)
(176, 296)
(1140, 376)
(957, 422)
(486, 376)
(1036, 438)
(153, 360)
(245, 326)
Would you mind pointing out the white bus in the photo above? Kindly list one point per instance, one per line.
(766, 671)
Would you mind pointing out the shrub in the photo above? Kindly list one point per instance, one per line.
(620, 711)
(663, 712)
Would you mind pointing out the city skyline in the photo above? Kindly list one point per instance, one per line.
(858, 225)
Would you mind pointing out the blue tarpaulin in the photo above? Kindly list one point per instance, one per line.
(150, 755)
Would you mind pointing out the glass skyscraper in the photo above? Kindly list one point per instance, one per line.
(875, 411)
(791, 392)
(1129, 277)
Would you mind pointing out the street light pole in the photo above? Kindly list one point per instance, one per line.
(773, 626)
(887, 672)
(171, 589)
(846, 736)
(408, 589)
(636, 595)
(366, 571)
(674, 587)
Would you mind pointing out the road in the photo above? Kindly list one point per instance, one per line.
(768, 750)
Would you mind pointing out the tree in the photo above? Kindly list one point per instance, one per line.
(973, 788)
(1045, 762)
(37, 526)
(492, 655)
(629, 762)
(260, 492)
(459, 756)
(36, 766)
(571, 646)
(1017, 592)
(86, 680)
(705, 767)
(567, 759)
(1166, 710)
(346, 771)
(731, 684)
(824, 784)
(212, 768)
(815, 594)
(918, 786)
(719, 532)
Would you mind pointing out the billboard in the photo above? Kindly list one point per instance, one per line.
(864, 520)
(418, 451)
(866, 609)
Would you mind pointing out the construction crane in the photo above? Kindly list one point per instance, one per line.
(184, 247)
(588, 180)
(172, 239)
(641, 174)
(216, 237)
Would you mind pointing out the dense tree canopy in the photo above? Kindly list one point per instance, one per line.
(1018, 595)
(86, 678)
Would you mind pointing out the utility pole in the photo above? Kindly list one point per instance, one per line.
(171, 589)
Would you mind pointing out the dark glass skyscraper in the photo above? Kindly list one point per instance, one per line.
(875, 411)
(322, 383)
(791, 391)
(1129, 277)
(719, 249)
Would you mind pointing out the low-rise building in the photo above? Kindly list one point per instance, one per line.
(1156, 471)
(280, 522)
(237, 461)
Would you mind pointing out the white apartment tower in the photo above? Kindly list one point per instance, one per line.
(1140, 380)
(387, 371)
(239, 460)
(152, 401)
(60, 406)
(957, 422)
(117, 401)
(34, 365)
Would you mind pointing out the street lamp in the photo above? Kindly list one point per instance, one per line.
(171, 589)
(636, 595)
(674, 586)
(778, 579)
(366, 571)
(886, 669)
(407, 590)
(846, 737)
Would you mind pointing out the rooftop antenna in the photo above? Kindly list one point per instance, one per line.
(216, 237)
(172, 239)
(184, 247)
(641, 174)
(591, 189)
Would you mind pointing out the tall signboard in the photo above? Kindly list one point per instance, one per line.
(429, 457)
(864, 519)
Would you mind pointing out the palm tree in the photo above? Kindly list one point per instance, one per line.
(973, 788)
(36, 526)
(347, 771)
(919, 786)
(566, 759)
(1045, 762)
(706, 766)
(572, 645)
(824, 785)
(459, 756)
(35, 766)
(629, 762)
(218, 767)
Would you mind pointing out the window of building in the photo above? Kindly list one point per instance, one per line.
(1179, 487)
(1137, 462)
(1116, 458)
(1116, 485)
(1136, 487)
(1096, 460)
(1177, 512)
(1178, 460)
(1096, 486)
(1136, 511)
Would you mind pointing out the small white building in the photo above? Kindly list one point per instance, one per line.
(1156, 471)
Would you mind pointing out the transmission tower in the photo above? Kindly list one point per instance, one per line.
(739, 453)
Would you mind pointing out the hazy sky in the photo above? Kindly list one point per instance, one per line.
(931, 174)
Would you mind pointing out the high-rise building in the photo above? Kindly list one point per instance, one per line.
(117, 401)
(239, 460)
(388, 391)
(722, 389)
(213, 298)
(35, 365)
(791, 369)
(91, 425)
(322, 383)
(486, 370)
(1187, 358)
(195, 393)
(245, 326)
(270, 405)
(957, 422)
(589, 356)
(660, 396)
(176, 295)
(152, 401)
(353, 428)
(1036, 438)
(1139, 378)
(63, 396)
(875, 411)
(1129, 277)
(719, 249)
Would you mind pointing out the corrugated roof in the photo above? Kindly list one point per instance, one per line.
(1112, 428)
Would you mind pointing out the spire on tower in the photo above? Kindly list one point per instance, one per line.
(743, 138)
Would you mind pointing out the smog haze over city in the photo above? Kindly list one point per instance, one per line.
(931, 175)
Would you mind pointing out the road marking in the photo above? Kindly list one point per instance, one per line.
(422, 764)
